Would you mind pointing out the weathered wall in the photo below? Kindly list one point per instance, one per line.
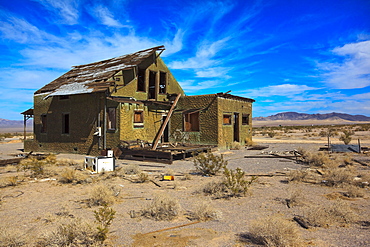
(226, 132)
(83, 112)
(208, 132)
(130, 89)
(147, 131)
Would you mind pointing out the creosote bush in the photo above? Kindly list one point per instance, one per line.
(209, 164)
(36, 166)
(103, 217)
(235, 181)
(275, 231)
(71, 175)
(346, 137)
(162, 207)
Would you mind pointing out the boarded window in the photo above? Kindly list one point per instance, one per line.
(245, 119)
(191, 121)
(43, 123)
(163, 83)
(227, 119)
(111, 119)
(65, 123)
(141, 80)
(138, 119)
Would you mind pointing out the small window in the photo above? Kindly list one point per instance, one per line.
(191, 122)
(245, 119)
(65, 123)
(227, 119)
(138, 119)
(43, 123)
(111, 119)
(162, 82)
(141, 80)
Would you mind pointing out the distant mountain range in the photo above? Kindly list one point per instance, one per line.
(5, 123)
(305, 116)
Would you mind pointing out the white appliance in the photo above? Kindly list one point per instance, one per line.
(99, 163)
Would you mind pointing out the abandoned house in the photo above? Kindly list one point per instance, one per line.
(106, 104)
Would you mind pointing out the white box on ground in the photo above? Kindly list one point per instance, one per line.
(99, 163)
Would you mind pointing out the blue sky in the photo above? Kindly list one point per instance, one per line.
(304, 56)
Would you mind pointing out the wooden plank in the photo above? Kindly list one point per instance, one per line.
(11, 161)
(160, 133)
(147, 153)
(164, 161)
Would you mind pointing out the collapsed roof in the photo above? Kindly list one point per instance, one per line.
(93, 77)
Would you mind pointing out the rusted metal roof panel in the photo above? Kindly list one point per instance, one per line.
(92, 77)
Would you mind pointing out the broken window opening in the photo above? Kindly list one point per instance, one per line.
(43, 123)
(152, 85)
(227, 119)
(162, 82)
(245, 119)
(111, 119)
(138, 119)
(65, 123)
(191, 122)
(141, 81)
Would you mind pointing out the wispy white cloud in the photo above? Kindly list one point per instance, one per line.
(191, 86)
(103, 14)
(66, 9)
(288, 90)
(353, 71)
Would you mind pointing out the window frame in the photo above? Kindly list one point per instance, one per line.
(111, 118)
(138, 123)
(191, 122)
(66, 125)
(141, 81)
(227, 116)
(245, 116)
(162, 78)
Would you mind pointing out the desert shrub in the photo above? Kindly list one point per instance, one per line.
(70, 175)
(216, 189)
(142, 177)
(338, 176)
(298, 175)
(235, 181)
(271, 134)
(353, 191)
(314, 159)
(73, 233)
(8, 181)
(36, 166)
(209, 164)
(236, 146)
(103, 217)
(275, 231)
(346, 137)
(162, 207)
(205, 211)
(326, 215)
(11, 238)
(131, 169)
(101, 195)
(294, 198)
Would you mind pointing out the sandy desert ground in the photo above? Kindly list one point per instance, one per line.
(33, 210)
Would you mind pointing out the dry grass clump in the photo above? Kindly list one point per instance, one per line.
(314, 159)
(275, 231)
(11, 238)
(131, 169)
(205, 211)
(38, 167)
(8, 181)
(142, 177)
(338, 176)
(353, 191)
(294, 198)
(236, 146)
(71, 175)
(216, 189)
(162, 207)
(298, 175)
(73, 233)
(101, 195)
(338, 212)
